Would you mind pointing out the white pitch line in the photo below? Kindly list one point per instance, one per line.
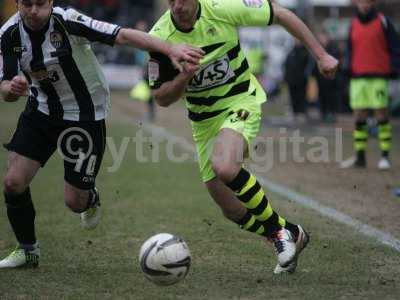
(367, 230)
(381, 236)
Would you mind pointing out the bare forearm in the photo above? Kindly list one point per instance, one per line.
(142, 40)
(5, 90)
(170, 92)
(298, 29)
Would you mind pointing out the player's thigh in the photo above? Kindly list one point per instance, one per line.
(204, 136)
(234, 138)
(243, 119)
(359, 98)
(229, 148)
(369, 93)
(29, 148)
(32, 137)
(241, 127)
(82, 148)
(379, 91)
(20, 172)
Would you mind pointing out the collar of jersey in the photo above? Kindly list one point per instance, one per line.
(190, 29)
(368, 17)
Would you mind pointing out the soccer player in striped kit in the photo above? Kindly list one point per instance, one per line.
(224, 102)
(47, 56)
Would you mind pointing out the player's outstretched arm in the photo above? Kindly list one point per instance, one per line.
(11, 90)
(326, 63)
(144, 41)
(171, 91)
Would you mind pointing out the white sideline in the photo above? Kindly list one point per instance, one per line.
(367, 230)
(379, 235)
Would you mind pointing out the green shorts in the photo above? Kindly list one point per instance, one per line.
(369, 93)
(243, 117)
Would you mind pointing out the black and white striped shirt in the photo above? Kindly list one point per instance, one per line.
(65, 78)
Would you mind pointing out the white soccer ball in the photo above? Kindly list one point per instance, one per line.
(165, 259)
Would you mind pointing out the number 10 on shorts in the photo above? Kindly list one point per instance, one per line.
(90, 165)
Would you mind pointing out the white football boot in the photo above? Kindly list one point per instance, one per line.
(22, 258)
(285, 247)
(301, 243)
(384, 164)
(91, 217)
(353, 162)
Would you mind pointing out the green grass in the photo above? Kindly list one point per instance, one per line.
(142, 199)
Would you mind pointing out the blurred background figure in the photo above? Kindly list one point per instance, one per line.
(373, 57)
(256, 58)
(328, 90)
(252, 39)
(109, 9)
(141, 57)
(397, 192)
(141, 90)
(266, 51)
(297, 71)
(7, 9)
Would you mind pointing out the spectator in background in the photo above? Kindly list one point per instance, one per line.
(373, 56)
(104, 10)
(255, 56)
(141, 57)
(397, 192)
(297, 71)
(7, 9)
(111, 9)
(328, 89)
(141, 91)
(343, 80)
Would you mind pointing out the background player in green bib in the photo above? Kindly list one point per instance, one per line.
(373, 57)
(224, 103)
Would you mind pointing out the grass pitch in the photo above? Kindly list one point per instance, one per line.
(142, 199)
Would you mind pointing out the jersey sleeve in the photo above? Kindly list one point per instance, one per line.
(89, 28)
(160, 67)
(244, 12)
(8, 58)
(160, 70)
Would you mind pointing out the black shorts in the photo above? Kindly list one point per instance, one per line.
(80, 144)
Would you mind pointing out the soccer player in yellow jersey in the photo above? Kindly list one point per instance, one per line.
(224, 103)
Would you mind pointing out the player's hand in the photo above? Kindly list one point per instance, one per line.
(328, 66)
(189, 69)
(19, 86)
(185, 53)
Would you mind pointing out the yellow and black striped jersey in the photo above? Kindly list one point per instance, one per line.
(224, 77)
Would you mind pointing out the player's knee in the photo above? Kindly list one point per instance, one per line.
(382, 119)
(74, 202)
(14, 185)
(224, 171)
